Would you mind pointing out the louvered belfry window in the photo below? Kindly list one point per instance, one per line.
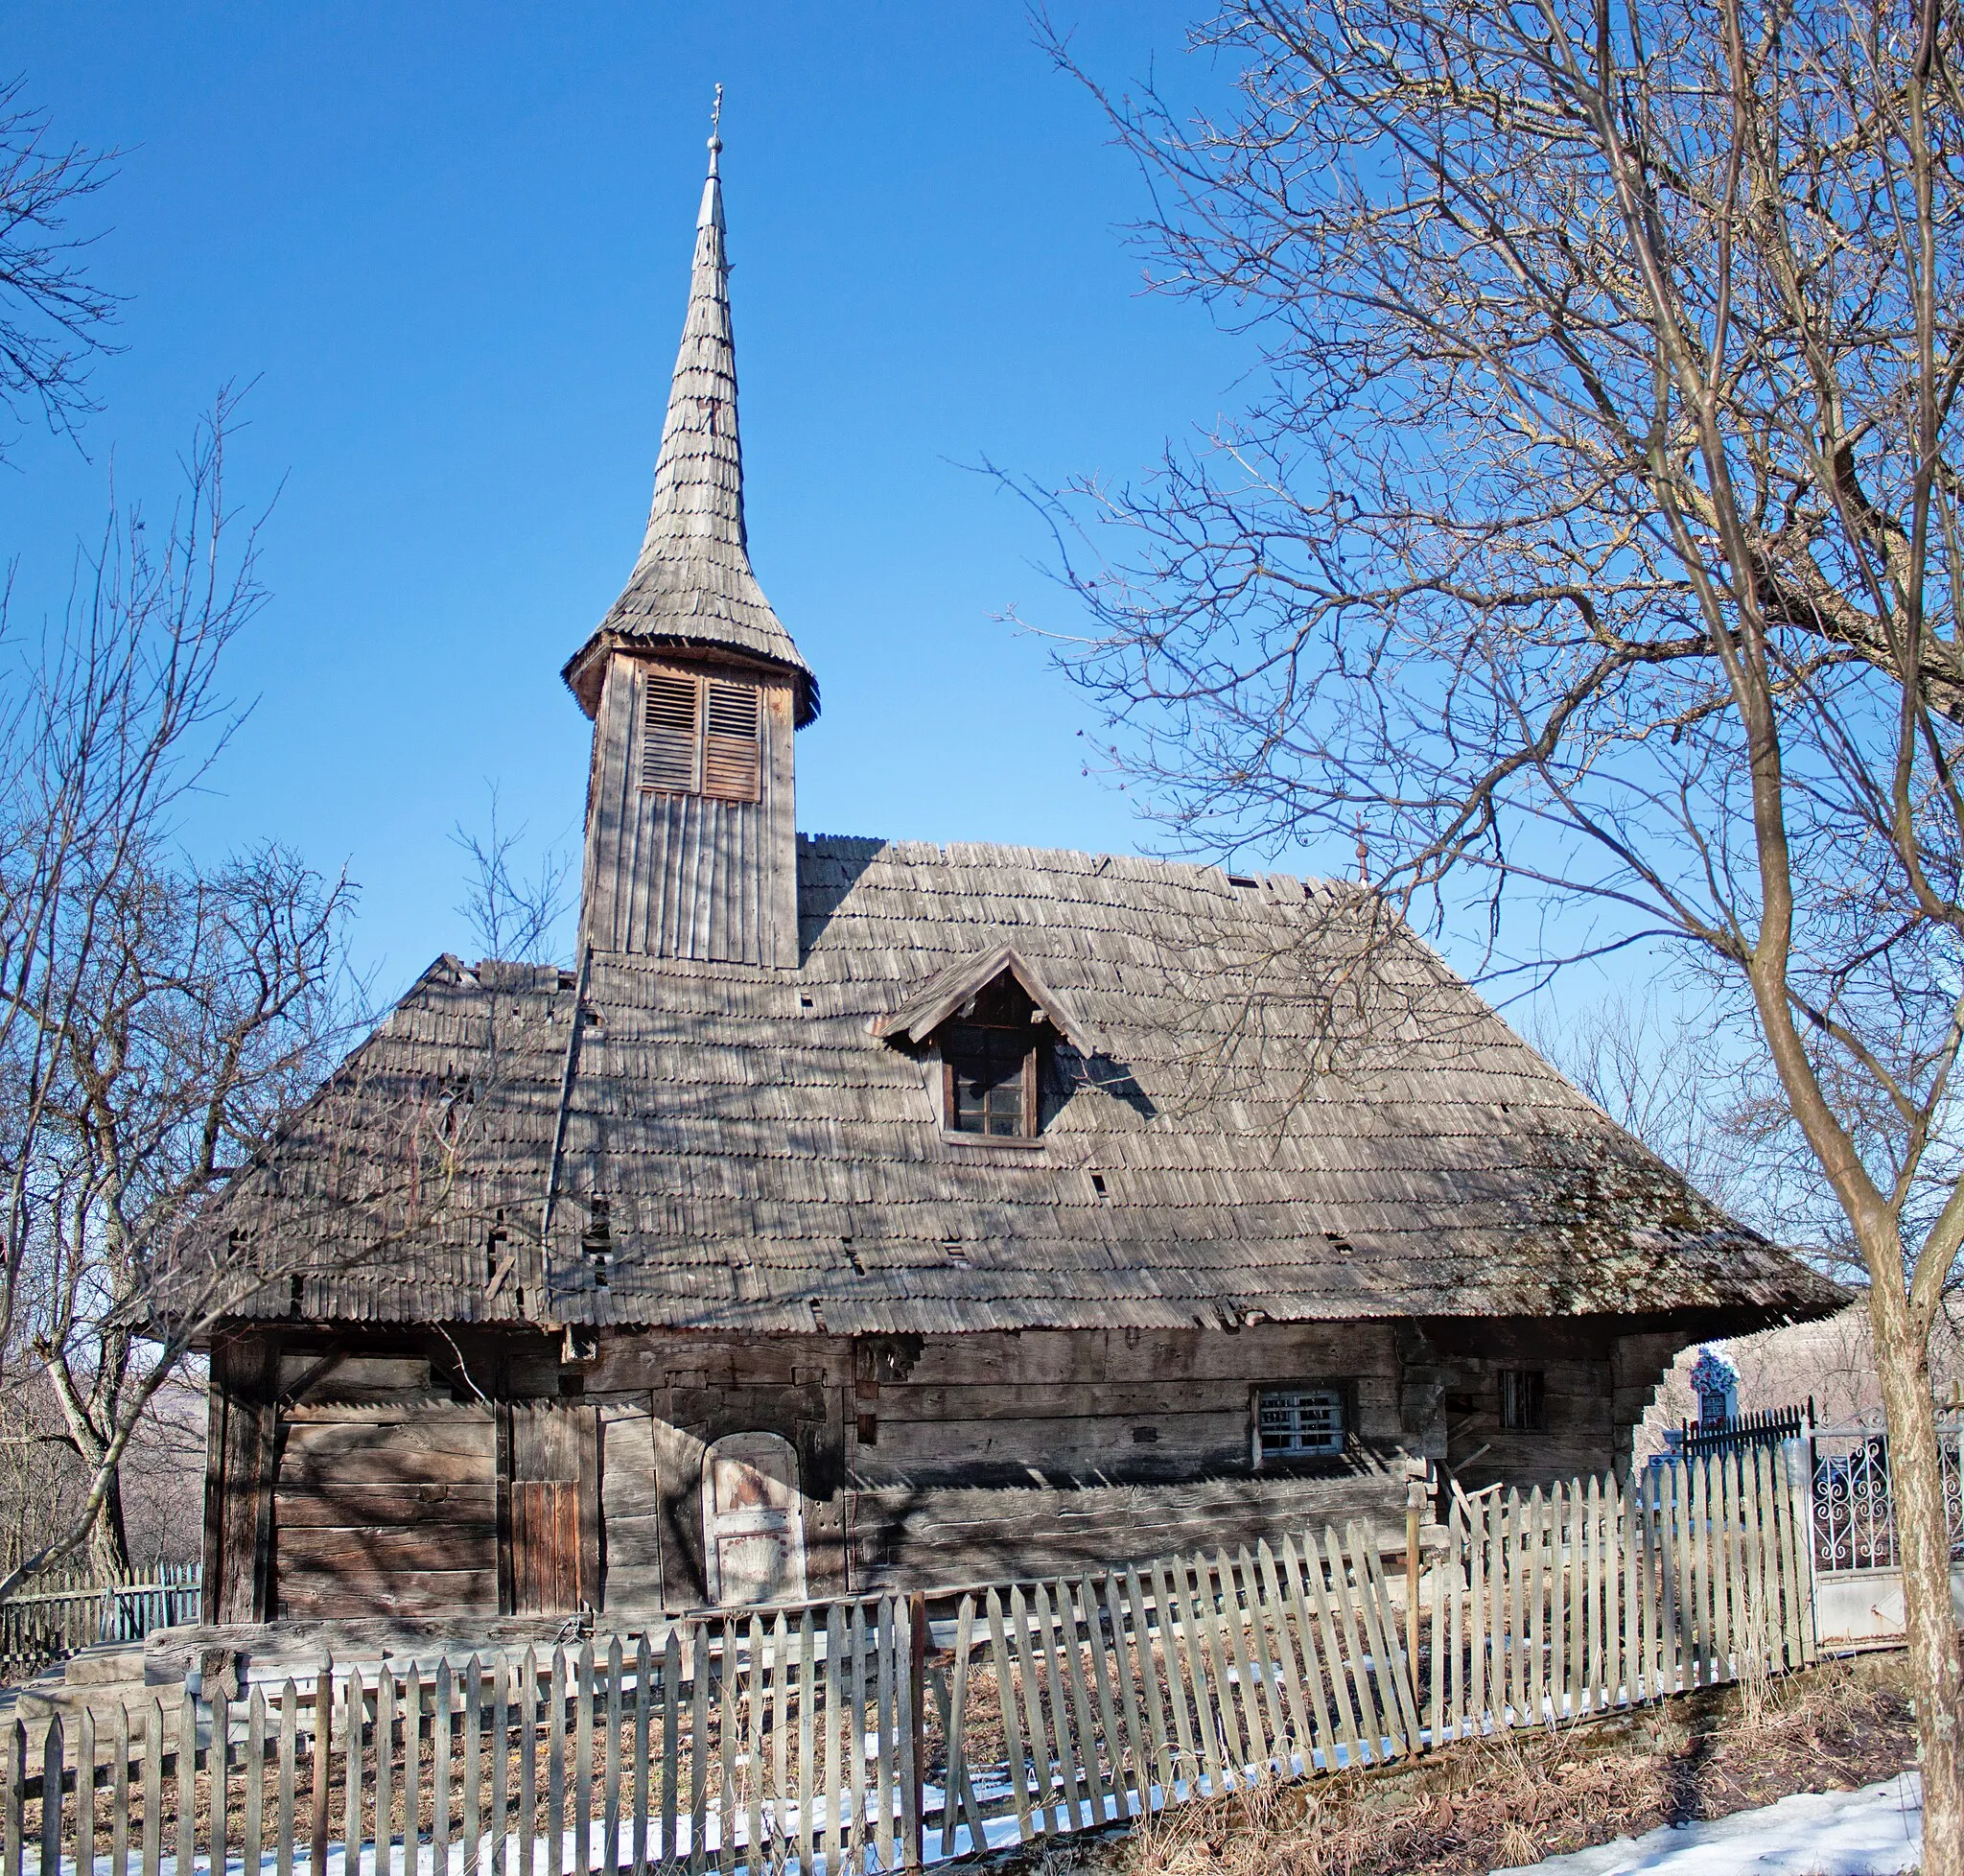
(729, 744)
(701, 737)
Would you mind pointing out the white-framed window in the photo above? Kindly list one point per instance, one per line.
(1293, 1423)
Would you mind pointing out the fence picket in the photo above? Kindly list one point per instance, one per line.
(184, 1787)
(1762, 1559)
(1233, 1673)
(252, 1776)
(153, 1846)
(610, 1758)
(1472, 1515)
(582, 1678)
(1797, 1526)
(884, 1766)
(1151, 1678)
(1139, 1756)
(1405, 1670)
(1234, 1752)
(1690, 1630)
(1046, 1647)
(1115, 1754)
(1721, 1532)
(1381, 1629)
(727, 1735)
(85, 1792)
(1193, 1641)
(753, 1686)
(1555, 1636)
(14, 1834)
(1330, 1671)
(1288, 1659)
(1353, 1651)
(1580, 1585)
(1171, 1674)
(1020, 1772)
(119, 1795)
(1248, 1623)
(472, 1766)
(285, 1795)
(53, 1753)
(698, 1746)
(834, 1696)
(642, 1752)
(954, 1723)
(668, 1846)
(384, 1769)
(499, 1782)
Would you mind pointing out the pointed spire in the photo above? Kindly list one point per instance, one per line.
(692, 584)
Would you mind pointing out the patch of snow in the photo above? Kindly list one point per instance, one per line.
(1876, 1831)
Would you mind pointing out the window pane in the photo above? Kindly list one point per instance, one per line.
(1301, 1420)
(987, 1067)
(1523, 1400)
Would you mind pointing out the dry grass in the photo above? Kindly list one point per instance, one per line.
(1522, 1797)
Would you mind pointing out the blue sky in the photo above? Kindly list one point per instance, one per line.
(450, 247)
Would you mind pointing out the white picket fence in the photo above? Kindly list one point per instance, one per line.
(856, 1735)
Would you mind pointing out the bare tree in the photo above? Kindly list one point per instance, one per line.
(53, 318)
(158, 1018)
(513, 919)
(1596, 542)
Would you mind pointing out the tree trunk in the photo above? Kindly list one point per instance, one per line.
(1922, 1537)
(109, 1543)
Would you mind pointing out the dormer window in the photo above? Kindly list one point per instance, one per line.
(701, 736)
(990, 1016)
(989, 1063)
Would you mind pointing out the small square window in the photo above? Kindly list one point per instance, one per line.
(1296, 1421)
(1523, 1400)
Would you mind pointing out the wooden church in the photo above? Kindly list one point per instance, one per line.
(859, 1214)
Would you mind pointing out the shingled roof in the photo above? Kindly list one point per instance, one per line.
(1293, 1111)
(692, 584)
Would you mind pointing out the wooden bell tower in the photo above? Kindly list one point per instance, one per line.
(695, 688)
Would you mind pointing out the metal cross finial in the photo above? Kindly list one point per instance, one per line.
(716, 119)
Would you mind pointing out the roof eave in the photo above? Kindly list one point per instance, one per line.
(585, 671)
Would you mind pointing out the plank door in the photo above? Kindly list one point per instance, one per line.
(550, 1562)
(753, 1516)
(384, 1509)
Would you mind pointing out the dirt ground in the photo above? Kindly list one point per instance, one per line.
(1520, 1798)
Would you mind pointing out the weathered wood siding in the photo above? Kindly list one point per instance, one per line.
(1597, 1384)
(948, 1460)
(239, 1458)
(1098, 1407)
(387, 1509)
(922, 1460)
(685, 876)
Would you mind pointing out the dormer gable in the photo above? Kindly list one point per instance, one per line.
(929, 1005)
(991, 1019)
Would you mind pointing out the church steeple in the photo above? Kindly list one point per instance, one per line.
(694, 686)
(692, 584)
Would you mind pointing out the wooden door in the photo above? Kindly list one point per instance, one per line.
(753, 1521)
(550, 1562)
(384, 1509)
